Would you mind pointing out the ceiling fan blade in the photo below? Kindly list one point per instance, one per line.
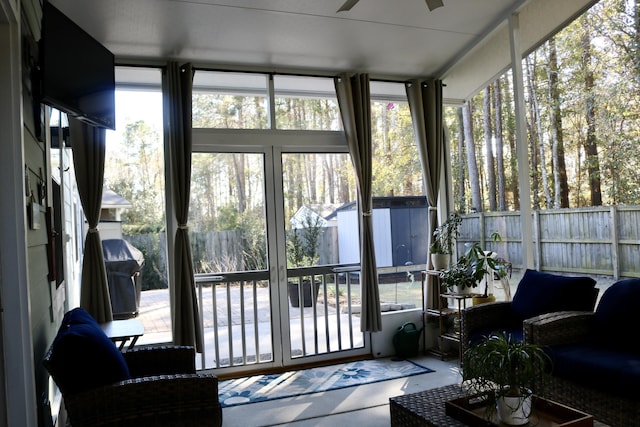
(434, 4)
(348, 5)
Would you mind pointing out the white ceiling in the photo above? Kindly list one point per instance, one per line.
(386, 38)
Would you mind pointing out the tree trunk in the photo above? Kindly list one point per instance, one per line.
(461, 178)
(590, 144)
(533, 141)
(513, 159)
(474, 176)
(557, 141)
(533, 100)
(497, 108)
(239, 171)
(488, 146)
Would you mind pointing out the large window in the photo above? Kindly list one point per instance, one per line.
(134, 172)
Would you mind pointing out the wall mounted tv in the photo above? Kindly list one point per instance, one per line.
(77, 73)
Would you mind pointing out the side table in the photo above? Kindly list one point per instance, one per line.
(121, 331)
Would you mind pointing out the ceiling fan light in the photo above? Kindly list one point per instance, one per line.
(434, 4)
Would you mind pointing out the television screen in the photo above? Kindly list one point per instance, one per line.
(77, 73)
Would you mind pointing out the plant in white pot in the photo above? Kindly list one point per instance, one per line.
(473, 268)
(507, 369)
(443, 240)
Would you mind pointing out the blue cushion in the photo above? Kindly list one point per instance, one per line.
(616, 317)
(83, 357)
(540, 293)
(608, 370)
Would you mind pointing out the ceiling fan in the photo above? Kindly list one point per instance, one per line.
(431, 4)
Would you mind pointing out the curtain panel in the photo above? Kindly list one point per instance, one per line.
(177, 87)
(355, 108)
(88, 147)
(425, 104)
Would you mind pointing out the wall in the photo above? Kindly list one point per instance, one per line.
(47, 301)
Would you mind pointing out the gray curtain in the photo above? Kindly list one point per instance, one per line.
(88, 146)
(355, 108)
(425, 103)
(177, 85)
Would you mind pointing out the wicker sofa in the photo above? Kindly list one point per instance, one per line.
(538, 293)
(595, 356)
(144, 386)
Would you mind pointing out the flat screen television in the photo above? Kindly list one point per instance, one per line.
(77, 73)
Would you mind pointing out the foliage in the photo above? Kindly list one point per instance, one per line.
(472, 267)
(565, 117)
(303, 243)
(508, 366)
(445, 234)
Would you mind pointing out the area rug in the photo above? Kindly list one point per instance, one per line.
(259, 388)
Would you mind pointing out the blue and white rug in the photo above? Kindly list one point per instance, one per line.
(259, 388)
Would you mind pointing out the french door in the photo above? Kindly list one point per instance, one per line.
(279, 287)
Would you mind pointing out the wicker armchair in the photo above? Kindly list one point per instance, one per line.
(163, 389)
(594, 356)
(537, 294)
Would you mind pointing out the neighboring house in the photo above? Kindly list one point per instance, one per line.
(110, 216)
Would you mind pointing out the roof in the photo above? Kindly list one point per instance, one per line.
(111, 200)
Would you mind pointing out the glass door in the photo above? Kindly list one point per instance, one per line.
(321, 311)
(276, 285)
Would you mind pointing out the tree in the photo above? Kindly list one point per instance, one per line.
(590, 143)
(472, 164)
(497, 108)
(557, 141)
(488, 147)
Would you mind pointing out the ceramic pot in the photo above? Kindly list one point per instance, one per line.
(440, 261)
(514, 411)
(459, 290)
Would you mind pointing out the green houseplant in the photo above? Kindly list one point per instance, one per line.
(302, 251)
(472, 269)
(504, 371)
(443, 239)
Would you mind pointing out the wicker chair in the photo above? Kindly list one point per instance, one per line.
(594, 356)
(537, 294)
(162, 389)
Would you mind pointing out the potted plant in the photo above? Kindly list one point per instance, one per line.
(504, 371)
(302, 251)
(473, 268)
(443, 239)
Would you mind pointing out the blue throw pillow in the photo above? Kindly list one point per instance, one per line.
(540, 293)
(616, 315)
(83, 357)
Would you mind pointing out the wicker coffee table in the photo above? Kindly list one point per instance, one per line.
(426, 408)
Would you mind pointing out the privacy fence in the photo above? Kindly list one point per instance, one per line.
(599, 241)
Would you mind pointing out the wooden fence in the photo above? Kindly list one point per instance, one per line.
(599, 241)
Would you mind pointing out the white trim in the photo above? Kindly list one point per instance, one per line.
(522, 150)
(17, 389)
(490, 57)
